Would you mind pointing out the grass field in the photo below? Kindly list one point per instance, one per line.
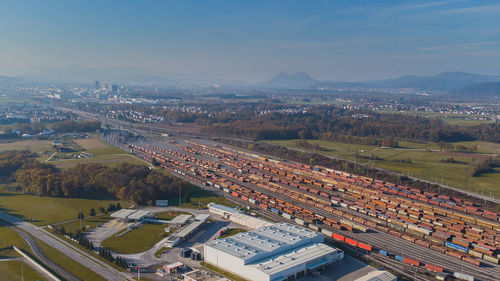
(67, 263)
(88, 223)
(423, 164)
(169, 215)
(26, 144)
(11, 270)
(201, 197)
(108, 160)
(103, 154)
(48, 210)
(137, 240)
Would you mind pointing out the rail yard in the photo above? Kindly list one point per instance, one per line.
(420, 229)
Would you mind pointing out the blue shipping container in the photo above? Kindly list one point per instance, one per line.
(275, 210)
(398, 258)
(456, 247)
(383, 253)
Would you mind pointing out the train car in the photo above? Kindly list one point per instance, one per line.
(434, 268)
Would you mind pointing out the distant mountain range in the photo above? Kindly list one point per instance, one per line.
(10, 80)
(446, 81)
(480, 91)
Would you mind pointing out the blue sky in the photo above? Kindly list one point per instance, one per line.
(252, 40)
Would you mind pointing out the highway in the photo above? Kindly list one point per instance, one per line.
(73, 252)
(39, 254)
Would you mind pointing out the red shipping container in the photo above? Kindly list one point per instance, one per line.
(338, 237)
(434, 267)
(351, 241)
(365, 246)
(411, 261)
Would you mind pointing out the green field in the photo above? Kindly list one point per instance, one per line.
(103, 154)
(87, 222)
(67, 263)
(26, 144)
(137, 240)
(169, 215)
(11, 270)
(200, 198)
(424, 164)
(15, 270)
(48, 210)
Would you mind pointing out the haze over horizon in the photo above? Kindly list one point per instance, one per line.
(338, 40)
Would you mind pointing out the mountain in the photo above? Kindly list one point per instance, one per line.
(10, 80)
(291, 81)
(480, 91)
(446, 81)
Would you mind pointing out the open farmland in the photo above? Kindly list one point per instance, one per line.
(26, 144)
(423, 164)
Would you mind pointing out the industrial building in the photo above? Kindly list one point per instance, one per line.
(198, 221)
(281, 251)
(249, 221)
(221, 210)
(130, 215)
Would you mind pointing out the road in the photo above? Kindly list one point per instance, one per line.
(40, 256)
(73, 252)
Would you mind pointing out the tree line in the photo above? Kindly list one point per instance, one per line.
(340, 124)
(128, 182)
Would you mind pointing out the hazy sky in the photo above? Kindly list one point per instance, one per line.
(252, 40)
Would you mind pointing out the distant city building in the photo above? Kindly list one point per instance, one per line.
(114, 88)
(97, 85)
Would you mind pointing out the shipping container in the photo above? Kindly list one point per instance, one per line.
(434, 268)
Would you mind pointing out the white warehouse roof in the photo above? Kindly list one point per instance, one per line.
(139, 215)
(122, 214)
(271, 253)
(266, 241)
(249, 221)
(223, 209)
(294, 258)
(180, 219)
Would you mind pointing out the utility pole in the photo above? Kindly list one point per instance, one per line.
(80, 217)
(179, 195)
(22, 270)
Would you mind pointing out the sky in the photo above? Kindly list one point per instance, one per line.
(253, 40)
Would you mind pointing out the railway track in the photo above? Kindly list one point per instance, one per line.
(375, 238)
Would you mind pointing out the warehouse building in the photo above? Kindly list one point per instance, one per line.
(249, 221)
(191, 228)
(281, 251)
(221, 210)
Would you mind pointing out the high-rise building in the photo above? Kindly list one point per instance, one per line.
(97, 85)
(114, 88)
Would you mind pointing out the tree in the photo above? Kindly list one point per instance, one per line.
(80, 216)
(92, 212)
(102, 210)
